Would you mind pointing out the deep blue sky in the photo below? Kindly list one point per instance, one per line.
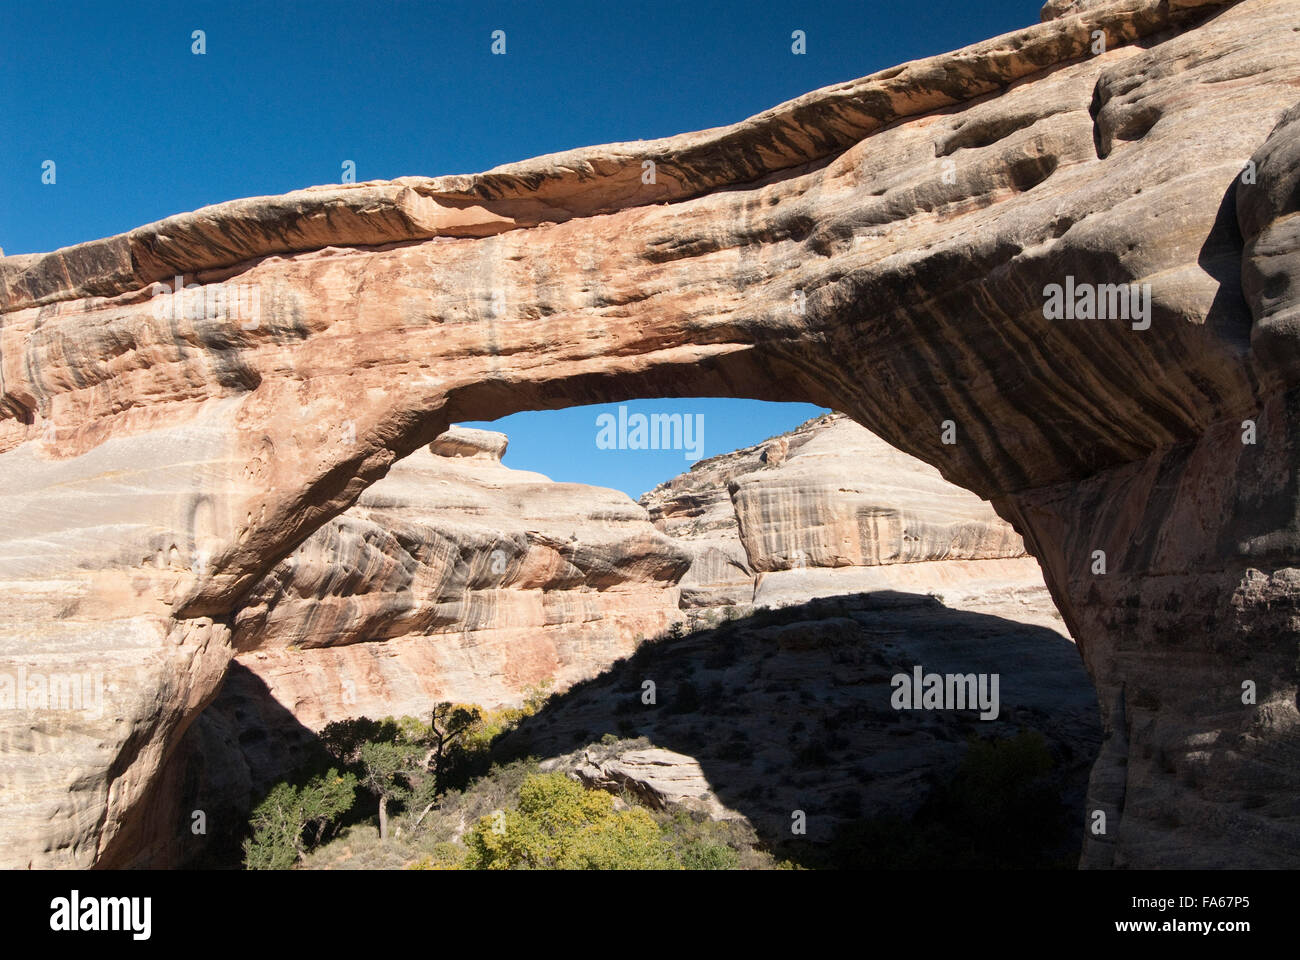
(140, 128)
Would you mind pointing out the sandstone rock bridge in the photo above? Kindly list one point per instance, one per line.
(881, 247)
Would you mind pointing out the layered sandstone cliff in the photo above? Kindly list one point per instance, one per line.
(830, 509)
(457, 578)
(160, 464)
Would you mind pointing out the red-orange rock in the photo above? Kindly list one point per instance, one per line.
(882, 247)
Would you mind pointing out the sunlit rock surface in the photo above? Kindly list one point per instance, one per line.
(879, 247)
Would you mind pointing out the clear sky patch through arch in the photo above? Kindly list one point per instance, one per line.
(567, 445)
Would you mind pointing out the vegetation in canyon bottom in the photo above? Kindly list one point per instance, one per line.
(441, 803)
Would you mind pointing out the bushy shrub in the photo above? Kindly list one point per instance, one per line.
(445, 856)
(293, 819)
(559, 824)
(702, 855)
(684, 698)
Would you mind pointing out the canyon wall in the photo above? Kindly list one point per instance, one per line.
(830, 509)
(882, 247)
(456, 578)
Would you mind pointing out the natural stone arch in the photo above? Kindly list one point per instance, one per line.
(389, 311)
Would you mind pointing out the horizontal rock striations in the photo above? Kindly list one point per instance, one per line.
(882, 247)
(457, 578)
(830, 509)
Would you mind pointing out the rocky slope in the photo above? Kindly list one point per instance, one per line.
(790, 710)
(884, 247)
(785, 714)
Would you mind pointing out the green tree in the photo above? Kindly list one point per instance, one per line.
(387, 755)
(342, 739)
(407, 760)
(291, 819)
(388, 768)
(450, 724)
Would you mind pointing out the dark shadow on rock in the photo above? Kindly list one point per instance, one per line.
(234, 752)
(790, 710)
(785, 710)
(1229, 317)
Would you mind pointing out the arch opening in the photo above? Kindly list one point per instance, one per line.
(770, 594)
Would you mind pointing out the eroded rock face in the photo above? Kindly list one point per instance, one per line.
(1055, 9)
(160, 464)
(663, 779)
(457, 578)
(830, 509)
(830, 494)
